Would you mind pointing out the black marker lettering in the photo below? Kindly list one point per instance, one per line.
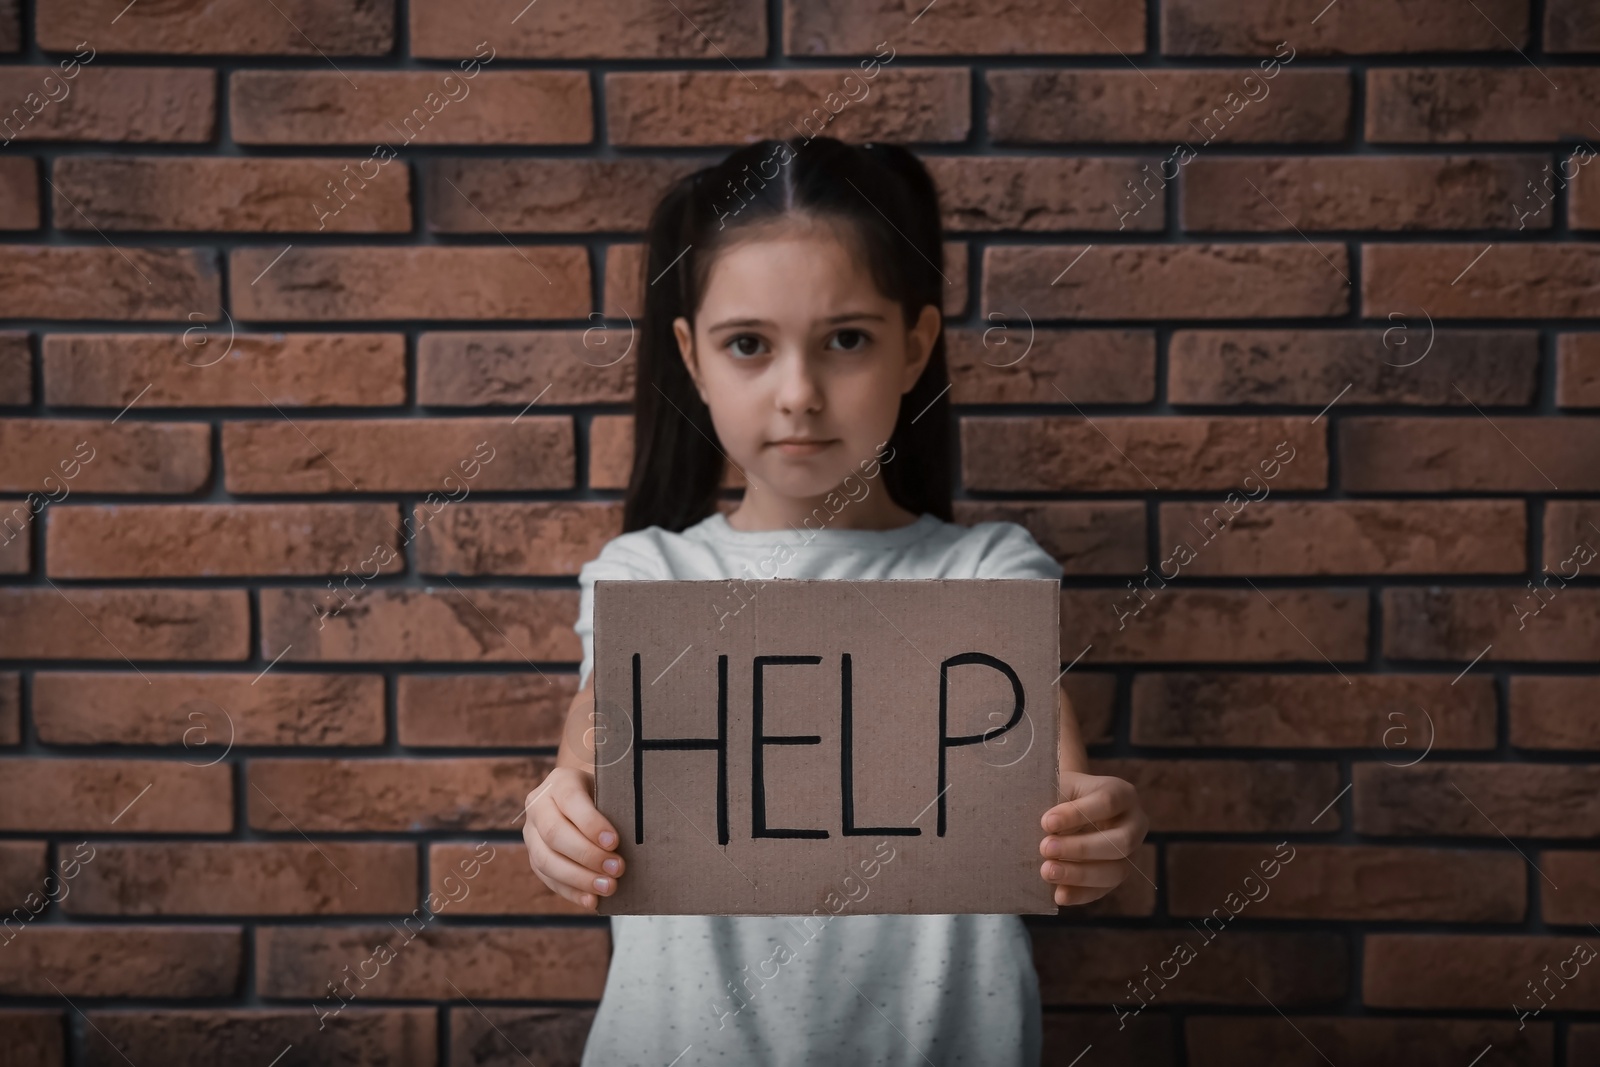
(945, 741)
(758, 744)
(847, 776)
(720, 743)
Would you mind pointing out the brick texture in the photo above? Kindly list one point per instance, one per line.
(1273, 324)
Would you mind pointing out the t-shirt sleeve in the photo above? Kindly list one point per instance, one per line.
(625, 558)
(1010, 551)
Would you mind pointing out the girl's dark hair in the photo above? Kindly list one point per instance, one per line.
(884, 197)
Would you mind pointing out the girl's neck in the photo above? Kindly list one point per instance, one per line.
(765, 510)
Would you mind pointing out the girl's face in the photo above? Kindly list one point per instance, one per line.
(801, 359)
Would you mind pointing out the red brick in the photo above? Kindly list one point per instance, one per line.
(1569, 527)
(129, 104)
(1583, 1043)
(610, 451)
(547, 195)
(1459, 623)
(340, 795)
(110, 624)
(1232, 796)
(23, 867)
(365, 107)
(1511, 280)
(1225, 625)
(1555, 713)
(123, 961)
(214, 366)
(1256, 27)
(714, 107)
(507, 1037)
(10, 708)
(19, 193)
(88, 794)
(505, 885)
(514, 368)
(1457, 105)
(1168, 281)
(1578, 875)
(232, 27)
(1583, 199)
(978, 193)
(1236, 1040)
(1010, 362)
(1571, 26)
(573, 29)
(1349, 537)
(519, 710)
(1095, 966)
(1094, 700)
(1063, 452)
(1409, 455)
(1278, 194)
(247, 878)
(1409, 362)
(487, 962)
(1167, 106)
(16, 370)
(57, 457)
(219, 540)
(995, 27)
(31, 1038)
(533, 538)
(16, 534)
(1379, 712)
(1478, 799)
(1578, 371)
(208, 713)
(414, 625)
(1067, 1033)
(436, 282)
(1102, 537)
(1349, 882)
(399, 455)
(1472, 971)
(245, 195)
(87, 282)
(357, 1037)
(10, 25)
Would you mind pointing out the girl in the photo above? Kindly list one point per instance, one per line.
(792, 330)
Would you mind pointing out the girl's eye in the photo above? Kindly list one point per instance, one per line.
(850, 340)
(746, 345)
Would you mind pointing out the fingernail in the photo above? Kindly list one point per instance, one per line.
(611, 866)
(1052, 871)
(608, 839)
(602, 884)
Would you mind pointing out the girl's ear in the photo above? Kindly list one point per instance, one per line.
(685, 335)
(920, 340)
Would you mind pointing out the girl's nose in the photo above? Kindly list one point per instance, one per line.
(798, 386)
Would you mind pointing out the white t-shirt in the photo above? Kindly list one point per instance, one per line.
(859, 989)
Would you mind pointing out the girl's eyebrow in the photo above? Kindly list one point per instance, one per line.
(851, 316)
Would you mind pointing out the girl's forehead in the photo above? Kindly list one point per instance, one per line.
(801, 271)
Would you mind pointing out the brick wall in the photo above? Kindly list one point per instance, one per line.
(314, 404)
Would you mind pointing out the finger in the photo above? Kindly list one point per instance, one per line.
(1093, 808)
(1088, 875)
(577, 804)
(587, 901)
(1114, 843)
(1071, 895)
(563, 870)
(565, 840)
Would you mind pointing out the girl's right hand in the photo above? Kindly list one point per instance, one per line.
(570, 844)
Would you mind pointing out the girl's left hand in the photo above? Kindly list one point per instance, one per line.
(1092, 836)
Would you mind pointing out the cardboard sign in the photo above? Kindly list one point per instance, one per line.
(772, 748)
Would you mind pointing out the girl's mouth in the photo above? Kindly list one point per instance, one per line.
(802, 446)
